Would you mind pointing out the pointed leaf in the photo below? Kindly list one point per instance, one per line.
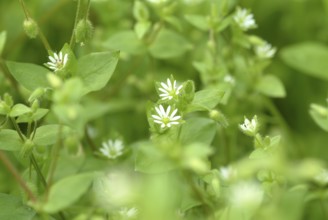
(67, 191)
(309, 58)
(9, 140)
(12, 208)
(29, 75)
(96, 69)
(48, 134)
(271, 86)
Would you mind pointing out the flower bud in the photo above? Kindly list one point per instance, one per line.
(35, 106)
(31, 28)
(54, 80)
(83, 31)
(218, 117)
(36, 94)
(8, 100)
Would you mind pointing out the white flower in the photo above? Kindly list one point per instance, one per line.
(169, 90)
(246, 195)
(57, 61)
(229, 79)
(227, 173)
(166, 118)
(112, 149)
(322, 177)
(244, 19)
(129, 213)
(265, 51)
(249, 127)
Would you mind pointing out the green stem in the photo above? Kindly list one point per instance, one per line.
(27, 16)
(54, 155)
(38, 170)
(18, 129)
(77, 15)
(44, 41)
(17, 176)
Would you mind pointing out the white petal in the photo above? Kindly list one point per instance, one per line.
(174, 112)
(65, 59)
(169, 84)
(163, 114)
(163, 90)
(175, 118)
(52, 59)
(158, 122)
(165, 86)
(158, 110)
(156, 117)
(168, 110)
(56, 57)
(60, 55)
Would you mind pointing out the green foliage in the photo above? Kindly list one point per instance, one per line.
(309, 58)
(163, 109)
(13, 208)
(96, 69)
(9, 140)
(29, 75)
(67, 191)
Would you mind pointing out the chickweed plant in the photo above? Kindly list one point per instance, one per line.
(150, 110)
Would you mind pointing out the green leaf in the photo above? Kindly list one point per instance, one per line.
(126, 41)
(198, 21)
(12, 208)
(67, 191)
(96, 69)
(10, 140)
(169, 44)
(320, 115)
(201, 130)
(309, 58)
(271, 86)
(150, 159)
(29, 75)
(19, 109)
(40, 113)
(206, 100)
(48, 134)
(3, 36)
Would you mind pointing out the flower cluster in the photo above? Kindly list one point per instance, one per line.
(244, 19)
(57, 61)
(112, 149)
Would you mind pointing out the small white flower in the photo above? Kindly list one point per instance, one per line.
(229, 79)
(169, 90)
(227, 173)
(246, 195)
(249, 127)
(265, 51)
(112, 149)
(322, 177)
(244, 19)
(129, 213)
(166, 118)
(57, 61)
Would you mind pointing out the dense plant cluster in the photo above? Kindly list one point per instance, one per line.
(160, 109)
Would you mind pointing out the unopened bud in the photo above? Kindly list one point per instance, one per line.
(8, 100)
(218, 117)
(31, 28)
(83, 31)
(36, 94)
(35, 106)
(54, 80)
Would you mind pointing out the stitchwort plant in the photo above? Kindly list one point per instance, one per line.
(163, 110)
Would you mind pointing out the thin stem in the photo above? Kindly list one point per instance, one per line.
(54, 155)
(42, 36)
(17, 129)
(89, 140)
(38, 170)
(77, 15)
(17, 176)
(27, 16)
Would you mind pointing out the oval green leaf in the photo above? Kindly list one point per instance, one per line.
(9, 140)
